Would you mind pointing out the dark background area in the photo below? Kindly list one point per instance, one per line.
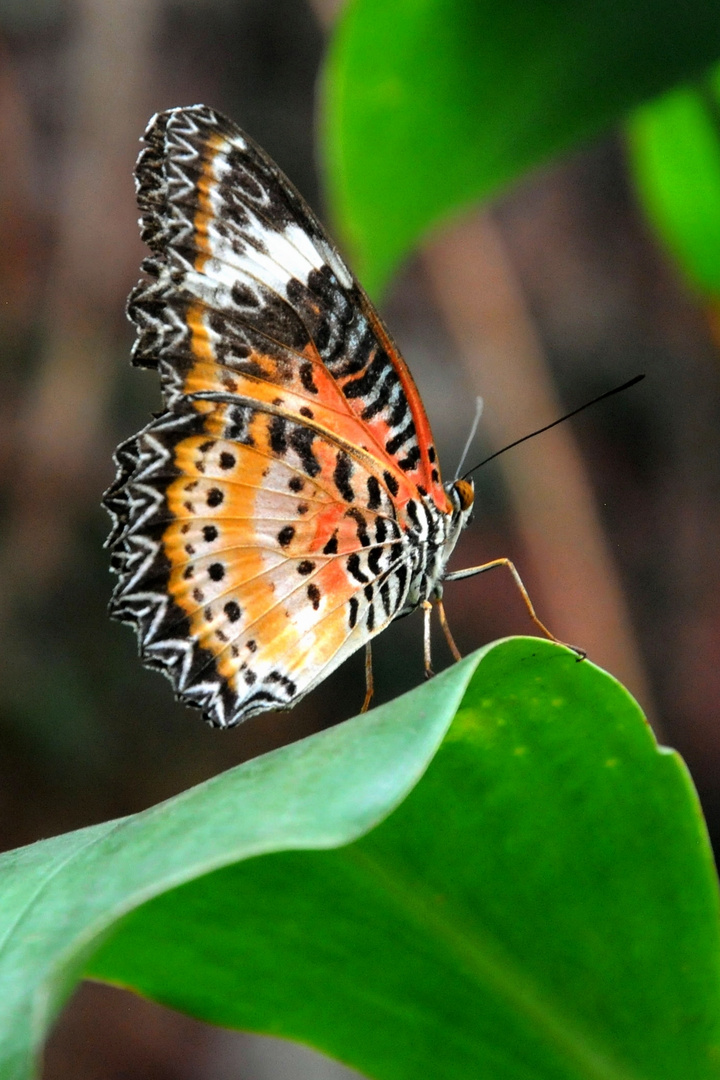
(85, 732)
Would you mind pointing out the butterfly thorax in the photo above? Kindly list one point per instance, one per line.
(433, 537)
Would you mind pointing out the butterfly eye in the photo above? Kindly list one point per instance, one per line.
(465, 493)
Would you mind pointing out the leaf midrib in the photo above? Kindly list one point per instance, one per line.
(484, 961)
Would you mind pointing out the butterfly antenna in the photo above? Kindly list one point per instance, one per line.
(471, 436)
(595, 400)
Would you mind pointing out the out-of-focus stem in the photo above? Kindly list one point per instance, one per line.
(59, 428)
(576, 585)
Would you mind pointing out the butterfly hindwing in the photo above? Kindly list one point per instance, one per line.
(246, 568)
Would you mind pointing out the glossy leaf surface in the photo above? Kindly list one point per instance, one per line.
(542, 903)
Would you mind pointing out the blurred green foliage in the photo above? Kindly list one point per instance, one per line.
(430, 106)
(675, 157)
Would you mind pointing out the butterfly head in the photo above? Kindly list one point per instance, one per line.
(462, 494)
(462, 498)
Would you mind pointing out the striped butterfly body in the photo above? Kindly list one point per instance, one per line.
(286, 505)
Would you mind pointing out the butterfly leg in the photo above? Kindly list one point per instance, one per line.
(427, 657)
(471, 571)
(457, 655)
(369, 681)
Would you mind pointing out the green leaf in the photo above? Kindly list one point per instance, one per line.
(675, 156)
(429, 106)
(59, 897)
(542, 905)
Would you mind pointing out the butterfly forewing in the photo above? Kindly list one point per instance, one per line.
(250, 295)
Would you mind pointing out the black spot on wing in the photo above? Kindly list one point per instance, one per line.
(364, 384)
(232, 610)
(353, 565)
(278, 435)
(335, 320)
(279, 679)
(314, 596)
(321, 335)
(243, 296)
(393, 445)
(238, 427)
(392, 484)
(399, 412)
(341, 476)
(381, 396)
(411, 460)
(265, 312)
(358, 353)
(373, 493)
(285, 536)
(301, 440)
(374, 558)
(361, 523)
(306, 377)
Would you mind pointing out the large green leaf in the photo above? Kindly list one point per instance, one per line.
(542, 905)
(59, 897)
(431, 105)
(675, 155)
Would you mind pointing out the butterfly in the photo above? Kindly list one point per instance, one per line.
(286, 505)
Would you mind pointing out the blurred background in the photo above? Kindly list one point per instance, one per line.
(556, 293)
